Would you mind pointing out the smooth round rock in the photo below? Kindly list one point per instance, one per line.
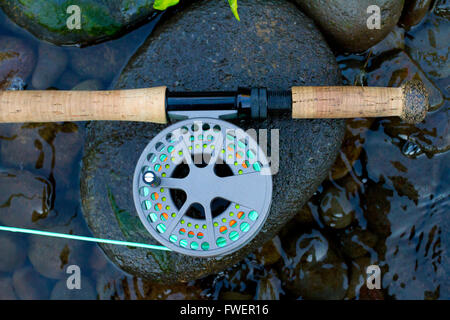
(23, 199)
(50, 257)
(12, 251)
(61, 292)
(276, 46)
(7, 289)
(315, 271)
(100, 20)
(345, 22)
(51, 63)
(414, 12)
(29, 285)
(336, 209)
(16, 60)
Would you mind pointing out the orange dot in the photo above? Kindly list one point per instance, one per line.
(159, 206)
(232, 223)
(238, 155)
(191, 234)
(182, 231)
(240, 214)
(223, 229)
(200, 235)
(165, 215)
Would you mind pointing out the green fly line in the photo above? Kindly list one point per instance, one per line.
(83, 238)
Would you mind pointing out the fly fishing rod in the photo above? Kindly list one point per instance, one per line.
(223, 173)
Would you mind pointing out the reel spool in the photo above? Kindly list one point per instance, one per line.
(203, 187)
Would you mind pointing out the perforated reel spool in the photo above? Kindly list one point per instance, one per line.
(212, 191)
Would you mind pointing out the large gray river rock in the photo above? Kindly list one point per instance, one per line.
(205, 48)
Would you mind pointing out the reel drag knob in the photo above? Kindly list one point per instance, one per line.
(151, 179)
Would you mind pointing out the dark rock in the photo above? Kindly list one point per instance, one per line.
(101, 61)
(269, 288)
(7, 289)
(213, 52)
(100, 20)
(395, 40)
(16, 60)
(29, 285)
(414, 12)
(61, 292)
(24, 199)
(12, 252)
(51, 257)
(68, 80)
(269, 253)
(336, 209)
(51, 63)
(345, 21)
(315, 271)
(92, 84)
(357, 242)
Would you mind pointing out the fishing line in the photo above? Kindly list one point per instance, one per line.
(83, 238)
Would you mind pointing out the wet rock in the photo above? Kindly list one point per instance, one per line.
(351, 147)
(428, 47)
(61, 292)
(100, 20)
(92, 84)
(336, 209)
(345, 22)
(29, 285)
(398, 69)
(269, 254)
(51, 257)
(395, 40)
(24, 199)
(97, 259)
(231, 295)
(277, 57)
(7, 289)
(314, 270)
(16, 60)
(413, 12)
(442, 8)
(269, 288)
(101, 61)
(42, 147)
(12, 251)
(51, 63)
(305, 216)
(68, 80)
(357, 242)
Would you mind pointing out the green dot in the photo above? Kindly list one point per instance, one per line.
(231, 214)
(189, 224)
(234, 236)
(174, 214)
(204, 226)
(180, 153)
(182, 221)
(161, 228)
(144, 191)
(205, 146)
(240, 172)
(163, 198)
(212, 146)
(161, 190)
(223, 151)
(167, 166)
(197, 226)
(197, 146)
(253, 215)
(172, 159)
(194, 245)
(245, 227)
(224, 220)
(183, 243)
(152, 217)
(163, 175)
(236, 163)
(205, 246)
(167, 207)
(221, 242)
(173, 238)
(215, 224)
(237, 206)
(190, 148)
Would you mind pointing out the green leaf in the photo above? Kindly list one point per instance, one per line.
(234, 8)
(164, 4)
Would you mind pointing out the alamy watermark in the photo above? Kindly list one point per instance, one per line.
(374, 277)
(74, 280)
(73, 22)
(374, 20)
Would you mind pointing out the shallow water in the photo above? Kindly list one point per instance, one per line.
(389, 191)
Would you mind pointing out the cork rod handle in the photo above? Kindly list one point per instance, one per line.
(147, 105)
(410, 102)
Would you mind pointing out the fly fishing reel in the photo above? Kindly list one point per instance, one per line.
(203, 187)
